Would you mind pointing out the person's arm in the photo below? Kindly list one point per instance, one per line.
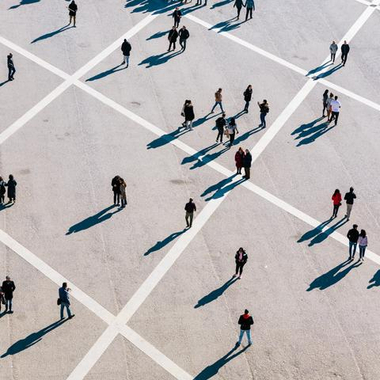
(195, 207)
(13, 286)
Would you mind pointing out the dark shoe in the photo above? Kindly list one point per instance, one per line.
(72, 316)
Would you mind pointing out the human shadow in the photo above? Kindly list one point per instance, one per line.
(5, 82)
(162, 243)
(31, 339)
(159, 59)
(315, 231)
(227, 26)
(24, 2)
(325, 234)
(93, 220)
(200, 153)
(203, 119)
(221, 188)
(4, 206)
(52, 34)
(3, 314)
(333, 276)
(107, 72)
(212, 296)
(192, 8)
(221, 4)
(319, 68)
(305, 127)
(310, 132)
(246, 135)
(328, 72)
(157, 35)
(166, 139)
(212, 370)
(375, 280)
(209, 157)
(150, 6)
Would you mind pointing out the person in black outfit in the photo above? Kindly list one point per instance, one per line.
(11, 189)
(245, 322)
(345, 48)
(173, 35)
(264, 110)
(353, 236)
(349, 198)
(238, 4)
(8, 288)
(247, 97)
(2, 190)
(220, 124)
(190, 208)
(324, 99)
(73, 12)
(126, 49)
(115, 183)
(177, 17)
(241, 258)
(183, 36)
(247, 161)
(11, 67)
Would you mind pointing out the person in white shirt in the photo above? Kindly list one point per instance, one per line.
(333, 50)
(363, 242)
(335, 107)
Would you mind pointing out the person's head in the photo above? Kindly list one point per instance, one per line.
(184, 27)
(8, 278)
(355, 226)
(189, 102)
(333, 42)
(10, 55)
(64, 285)
(232, 121)
(177, 9)
(241, 250)
(265, 101)
(331, 95)
(246, 311)
(191, 200)
(223, 115)
(345, 42)
(241, 150)
(246, 151)
(249, 87)
(363, 233)
(326, 92)
(10, 177)
(219, 90)
(125, 40)
(336, 192)
(351, 189)
(336, 97)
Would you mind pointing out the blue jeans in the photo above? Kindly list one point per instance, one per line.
(67, 306)
(362, 250)
(352, 249)
(262, 119)
(220, 105)
(248, 332)
(8, 305)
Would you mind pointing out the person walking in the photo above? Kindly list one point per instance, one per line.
(2, 190)
(238, 4)
(333, 50)
(232, 130)
(64, 298)
(325, 98)
(11, 67)
(220, 125)
(328, 105)
(177, 17)
(8, 287)
(183, 112)
(345, 48)
(335, 107)
(247, 97)
(11, 189)
(218, 100)
(2, 299)
(115, 183)
(173, 35)
(337, 202)
(349, 198)
(264, 110)
(241, 258)
(363, 242)
(183, 36)
(189, 115)
(245, 322)
(250, 5)
(126, 49)
(353, 237)
(123, 192)
(73, 12)
(247, 162)
(239, 156)
(190, 208)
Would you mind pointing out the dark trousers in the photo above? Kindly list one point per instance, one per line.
(11, 71)
(249, 12)
(2, 198)
(238, 169)
(238, 12)
(335, 210)
(239, 268)
(334, 116)
(170, 45)
(176, 21)
(116, 197)
(362, 251)
(324, 108)
(232, 138)
(333, 57)
(246, 105)
(247, 172)
(183, 44)
(344, 59)
(220, 135)
(262, 119)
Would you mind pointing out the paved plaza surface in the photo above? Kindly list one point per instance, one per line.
(152, 299)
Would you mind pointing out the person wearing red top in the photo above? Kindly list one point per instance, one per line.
(245, 322)
(337, 202)
(239, 160)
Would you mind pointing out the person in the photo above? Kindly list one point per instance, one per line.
(333, 50)
(241, 258)
(325, 98)
(183, 36)
(218, 100)
(126, 49)
(8, 287)
(247, 161)
(2, 299)
(337, 202)
(232, 129)
(245, 322)
(250, 5)
(189, 115)
(345, 48)
(11, 67)
(335, 107)
(239, 155)
(183, 112)
(73, 13)
(63, 295)
(220, 124)
(349, 198)
(363, 242)
(328, 105)
(177, 17)
(11, 189)
(115, 183)
(247, 97)
(190, 208)
(238, 4)
(264, 110)
(173, 35)
(123, 192)
(2, 190)
(353, 236)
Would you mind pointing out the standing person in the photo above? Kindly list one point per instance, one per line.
(190, 208)
(333, 50)
(8, 288)
(264, 110)
(189, 115)
(241, 258)
(247, 161)
(218, 100)
(232, 129)
(11, 189)
(328, 105)
(11, 66)
(245, 322)
(250, 5)
(345, 48)
(349, 198)
(183, 112)
(126, 49)
(115, 183)
(123, 192)
(363, 242)
(238, 4)
(63, 294)
(335, 107)
(220, 124)
(353, 236)
(337, 202)
(173, 35)
(325, 98)
(247, 97)
(239, 156)
(2, 299)
(73, 12)
(177, 17)
(2, 190)
(183, 36)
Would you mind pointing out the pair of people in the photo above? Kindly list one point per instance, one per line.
(188, 113)
(345, 49)
(183, 35)
(249, 4)
(349, 197)
(11, 185)
(6, 294)
(227, 128)
(355, 238)
(243, 159)
(119, 188)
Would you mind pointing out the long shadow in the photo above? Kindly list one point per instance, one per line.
(151, 6)
(311, 131)
(333, 276)
(217, 186)
(305, 127)
(209, 157)
(3, 314)
(192, 8)
(227, 26)
(52, 34)
(221, 4)
(215, 293)
(213, 369)
(106, 73)
(31, 339)
(319, 68)
(200, 153)
(3, 83)
(4, 206)
(24, 2)
(315, 231)
(203, 119)
(157, 35)
(375, 280)
(245, 135)
(93, 220)
(329, 72)
(325, 234)
(162, 243)
(166, 139)
(223, 188)
(159, 59)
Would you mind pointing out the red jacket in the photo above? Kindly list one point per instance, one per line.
(337, 198)
(239, 159)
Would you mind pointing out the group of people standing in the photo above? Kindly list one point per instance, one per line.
(11, 185)
(119, 189)
(332, 106)
(345, 49)
(249, 4)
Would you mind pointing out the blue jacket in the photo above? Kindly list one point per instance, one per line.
(64, 296)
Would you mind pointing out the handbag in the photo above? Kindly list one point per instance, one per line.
(59, 301)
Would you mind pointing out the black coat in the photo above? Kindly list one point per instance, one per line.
(245, 258)
(126, 48)
(177, 14)
(345, 49)
(184, 34)
(173, 35)
(247, 160)
(248, 95)
(245, 323)
(116, 185)
(12, 188)
(189, 112)
(8, 288)
(73, 9)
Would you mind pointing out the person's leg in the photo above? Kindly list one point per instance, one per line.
(238, 13)
(241, 269)
(236, 270)
(114, 197)
(350, 246)
(248, 173)
(264, 121)
(74, 19)
(187, 219)
(212, 109)
(221, 106)
(191, 219)
(249, 337)
(364, 248)
(68, 310)
(10, 304)
(246, 14)
(240, 337)
(191, 124)
(262, 117)
(349, 208)
(127, 60)
(336, 117)
(61, 312)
